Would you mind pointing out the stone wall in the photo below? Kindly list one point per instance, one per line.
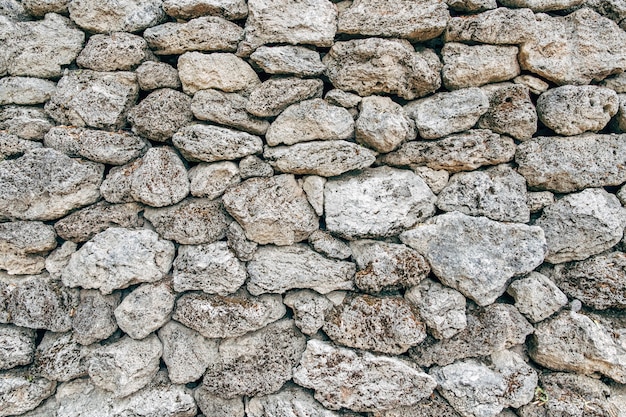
(300, 208)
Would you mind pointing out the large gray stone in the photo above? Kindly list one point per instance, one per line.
(449, 112)
(190, 222)
(380, 324)
(582, 224)
(500, 26)
(574, 49)
(118, 258)
(360, 381)
(239, 243)
(21, 392)
(566, 164)
(40, 8)
(572, 110)
(498, 193)
(161, 114)
(93, 318)
(118, 51)
(393, 66)
(59, 357)
(291, 400)
(383, 124)
(209, 33)
(288, 59)
(223, 71)
(45, 184)
(276, 94)
(211, 268)
(212, 180)
(276, 269)
(30, 123)
(152, 75)
(271, 210)
(414, 20)
(17, 346)
(459, 152)
(258, 363)
(536, 296)
(94, 99)
(208, 143)
(111, 16)
(190, 9)
(311, 22)
(377, 202)
(457, 245)
(25, 90)
(12, 146)
(326, 158)
(24, 245)
(511, 112)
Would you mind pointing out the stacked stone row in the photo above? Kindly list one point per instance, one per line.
(305, 208)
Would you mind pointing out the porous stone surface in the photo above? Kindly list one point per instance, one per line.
(145, 309)
(291, 400)
(536, 296)
(30, 123)
(161, 114)
(228, 109)
(119, 51)
(500, 26)
(189, 9)
(60, 358)
(212, 180)
(25, 90)
(223, 71)
(450, 242)
(328, 245)
(12, 146)
(17, 346)
(309, 309)
(288, 59)
(20, 392)
(213, 405)
(511, 112)
(383, 124)
(23, 246)
(152, 75)
(209, 143)
(94, 318)
(276, 94)
(111, 16)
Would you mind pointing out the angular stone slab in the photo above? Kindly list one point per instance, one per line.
(500, 26)
(208, 143)
(324, 158)
(118, 258)
(212, 180)
(17, 346)
(222, 71)
(457, 245)
(358, 66)
(288, 59)
(190, 9)
(276, 94)
(45, 184)
(30, 123)
(377, 202)
(536, 296)
(460, 152)
(360, 381)
(272, 210)
(25, 90)
(23, 246)
(276, 269)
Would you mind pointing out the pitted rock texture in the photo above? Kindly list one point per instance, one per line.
(312, 208)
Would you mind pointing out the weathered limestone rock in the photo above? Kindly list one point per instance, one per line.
(378, 202)
(616, 83)
(492, 329)
(228, 109)
(117, 185)
(119, 51)
(223, 71)
(574, 49)
(432, 406)
(82, 225)
(126, 366)
(501, 26)
(441, 308)
(379, 324)
(383, 124)
(219, 316)
(60, 358)
(39, 48)
(538, 200)
(543, 5)
(313, 186)
(276, 269)
(449, 112)
(13, 10)
(118, 258)
(253, 166)
(45, 185)
(498, 193)
(341, 98)
(237, 241)
(58, 259)
(582, 224)
(373, 65)
(360, 381)
(25, 90)
(17, 346)
(111, 16)
(460, 152)
(161, 114)
(456, 245)
(271, 210)
(566, 164)
(211, 268)
(30, 123)
(190, 9)
(612, 9)
(585, 344)
(39, 8)
(310, 22)
(153, 75)
(23, 246)
(21, 392)
(145, 309)
(213, 405)
(94, 99)
(598, 282)
(511, 112)
(536, 296)
(387, 266)
(329, 246)
(94, 318)
(291, 400)
(276, 94)
(190, 222)
(258, 363)
(435, 179)
(208, 33)
(475, 390)
(310, 120)
(212, 180)
(37, 302)
(326, 158)
(185, 352)
(12, 146)
(198, 142)
(535, 85)
(472, 66)
(620, 119)
(114, 148)
(415, 21)
(572, 110)
(288, 59)
(309, 309)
